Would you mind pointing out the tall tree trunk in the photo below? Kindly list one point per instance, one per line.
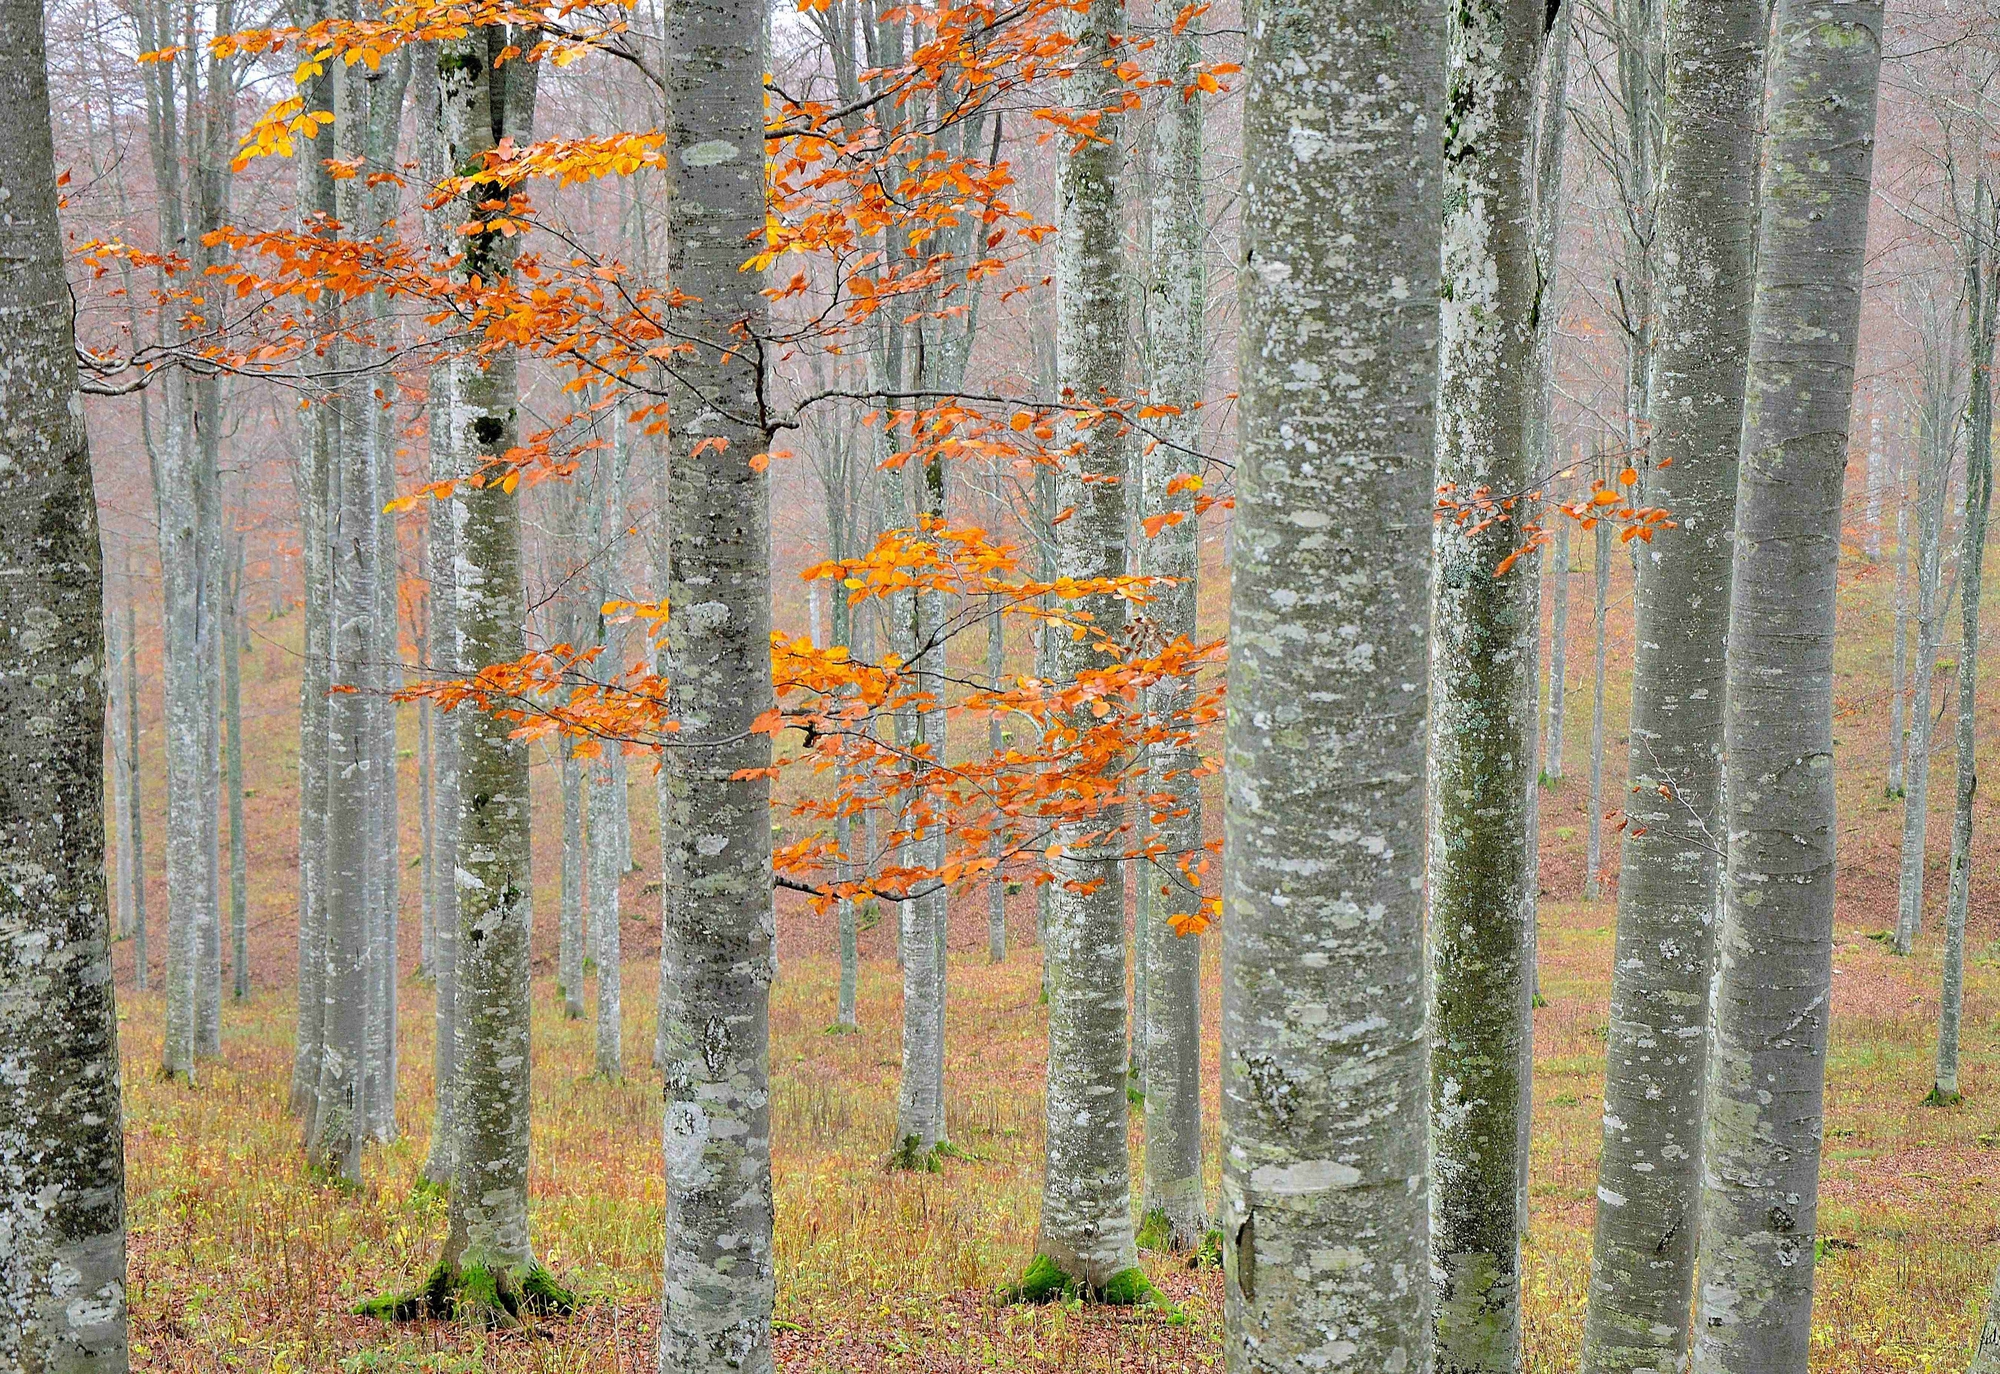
(1560, 568)
(996, 885)
(604, 876)
(1898, 670)
(134, 819)
(1773, 982)
(1933, 486)
(1325, 1213)
(1600, 606)
(232, 725)
(1086, 1234)
(122, 779)
(720, 1281)
(1642, 1262)
(488, 1255)
(569, 911)
(1177, 358)
(62, 1177)
(315, 490)
(1878, 482)
(1483, 693)
(1982, 291)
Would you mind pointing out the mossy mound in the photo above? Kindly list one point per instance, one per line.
(1938, 1097)
(1045, 1281)
(476, 1295)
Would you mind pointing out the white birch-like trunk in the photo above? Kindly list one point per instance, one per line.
(719, 1280)
(1483, 692)
(1642, 1261)
(604, 875)
(1878, 482)
(232, 781)
(1324, 1207)
(1774, 974)
(1556, 580)
(1982, 291)
(1177, 357)
(62, 1173)
(133, 820)
(569, 911)
(1935, 445)
(1600, 604)
(996, 886)
(1899, 655)
(1086, 1233)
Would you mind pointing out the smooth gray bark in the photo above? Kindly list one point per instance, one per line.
(1642, 1260)
(62, 1184)
(1981, 254)
(1773, 982)
(1600, 605)
(569, 911)
(1086, 1225)
(232, 782)
(134, 819)
(479, 106)
(1324, 1207)
(1483, 692)
(996, 885)
(605, 872)
(1177, 357)
(1556, 579)
(1899, 655)
(719, 1282)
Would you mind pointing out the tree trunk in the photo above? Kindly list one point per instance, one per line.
(569, 914)
(1898, 672)
(1982, 290)
(1177, 338)
(1593, 849)
(1324, 1209)
(123, 780)
(1986, 1353)
(1561, 568)
(720, 1282)
(62, 1178)
(604, 876)
(996, 886)
(488, 1254)
(1086, 1231)
(1933, 487)
(1642, 1263)
(1773, 982)
(232, 724)
(1878, 481)
(1483, 693)
(135, 813)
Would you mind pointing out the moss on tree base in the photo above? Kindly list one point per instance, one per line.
(1045, 1281)
(1940, 1096)
(476, 1295)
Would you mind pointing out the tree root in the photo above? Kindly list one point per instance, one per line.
(477, 1296)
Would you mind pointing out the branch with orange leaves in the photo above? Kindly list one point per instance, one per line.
(1481, 509)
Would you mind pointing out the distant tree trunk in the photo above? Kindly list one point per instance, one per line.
(122, 779)
(1086, 1233)
(719, 1282)
(1642, 1261)
(1933, 487)
(1982, 290)
(1177, 339)
(1878, 480)
(488, 1264)
(447, 457)
(62, 1177)
(1324, 1208)
(604, 876)
(316, 492)
(1560, 568)
(1898, 672)
(569, 912)
(1593, 861)
(232, 725)
(134, 818)
(996, 886)
(1483, 692)
(1773, 981)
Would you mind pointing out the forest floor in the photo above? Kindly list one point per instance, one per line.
(242, 1260)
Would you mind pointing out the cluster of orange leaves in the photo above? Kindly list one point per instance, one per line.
(1481, 509)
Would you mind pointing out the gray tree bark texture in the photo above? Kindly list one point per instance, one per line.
(1483, 692)
(1086, 1226)
(62, 1172)
(719, 1282)
(569, 911)
(1642, 1260)
(1177, 348)
(488, 1255)
(134, 819)
(1324, 1207)
(1898, 667)
(1556, 580)
(1981, 256)
(1986, 1352)
(996, 885)
(1937, 427)
(315, 203)
(1773, 981)
(605, 872)
(1600, 606)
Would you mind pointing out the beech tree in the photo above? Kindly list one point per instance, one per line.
(716, 1312)
(1325, 1210)
(1642, 1262)
(62, 1169)
(1483, 690)
(1773, 981)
